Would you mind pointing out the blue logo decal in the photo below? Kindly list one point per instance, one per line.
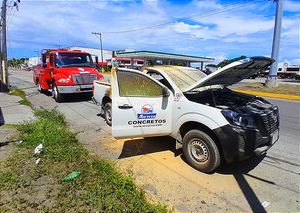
(147, 112)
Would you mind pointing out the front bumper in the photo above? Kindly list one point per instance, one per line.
(75, 89)
(241, 143)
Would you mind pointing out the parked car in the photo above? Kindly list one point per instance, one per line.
(209, 121)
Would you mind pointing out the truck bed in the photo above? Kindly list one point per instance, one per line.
(102, 88)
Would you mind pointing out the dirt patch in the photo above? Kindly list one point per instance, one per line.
(7, 136)
(286, 89)
(34, 191)
(162, 172)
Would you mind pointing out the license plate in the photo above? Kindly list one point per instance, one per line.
(275, 136)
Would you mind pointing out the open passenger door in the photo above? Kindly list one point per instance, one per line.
(141, 106)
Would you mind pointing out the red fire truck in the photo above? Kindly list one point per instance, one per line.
(64, 72)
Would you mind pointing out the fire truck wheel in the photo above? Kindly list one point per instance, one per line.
(58, 97)
(108, 114)
(39, 87)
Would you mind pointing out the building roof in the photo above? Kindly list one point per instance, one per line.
(162, 55)
(125, 59)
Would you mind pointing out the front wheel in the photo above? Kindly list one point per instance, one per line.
(39, 87)
(58, 97)
(108, 113)
(200, 151)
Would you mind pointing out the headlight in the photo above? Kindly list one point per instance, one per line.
(64, 80)
(239, 119)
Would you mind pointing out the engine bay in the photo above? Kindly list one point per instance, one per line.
(224, 98)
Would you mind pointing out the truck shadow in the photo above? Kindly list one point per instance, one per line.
(2, 121)
(239, 171)
(143, 146)
(78, 97)
(73, 97)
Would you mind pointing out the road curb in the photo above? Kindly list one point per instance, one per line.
(270, 95)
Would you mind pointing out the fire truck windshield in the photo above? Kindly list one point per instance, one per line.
(73, 60)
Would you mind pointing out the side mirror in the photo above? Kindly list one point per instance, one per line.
(165, 92)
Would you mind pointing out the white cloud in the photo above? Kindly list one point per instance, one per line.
(246, 31)
(207, 4)
(291, 6)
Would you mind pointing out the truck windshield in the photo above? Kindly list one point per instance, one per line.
(73, 60)
(184, 77)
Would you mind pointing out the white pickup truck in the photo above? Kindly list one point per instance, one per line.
(209, 121)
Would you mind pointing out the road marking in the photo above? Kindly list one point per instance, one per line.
(270, 95)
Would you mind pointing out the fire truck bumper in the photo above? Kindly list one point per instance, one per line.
(75, 89)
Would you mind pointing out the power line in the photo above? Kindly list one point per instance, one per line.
(194, 17)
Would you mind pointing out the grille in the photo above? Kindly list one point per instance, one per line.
(271, 121)
(84, 79)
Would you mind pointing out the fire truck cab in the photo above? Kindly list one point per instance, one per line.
(64, 72)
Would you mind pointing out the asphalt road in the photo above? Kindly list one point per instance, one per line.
(261, 184)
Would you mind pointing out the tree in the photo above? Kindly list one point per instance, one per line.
(228, 61)
(16, 62)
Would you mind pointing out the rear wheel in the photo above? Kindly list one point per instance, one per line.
(108, 113)
(58, 97)
(200, 151)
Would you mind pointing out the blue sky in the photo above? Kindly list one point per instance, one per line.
(219, 28)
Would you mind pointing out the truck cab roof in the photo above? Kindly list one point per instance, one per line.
(62, 51)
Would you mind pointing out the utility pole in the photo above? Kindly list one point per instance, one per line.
(1, 70)
(100, 37)
(4, 77)
(271, 81)
(4, 86)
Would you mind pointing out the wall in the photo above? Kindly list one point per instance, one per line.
(107, 54)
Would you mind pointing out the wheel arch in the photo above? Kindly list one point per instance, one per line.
(190, 125)
(105, 100)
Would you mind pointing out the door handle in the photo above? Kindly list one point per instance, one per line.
(125, 106)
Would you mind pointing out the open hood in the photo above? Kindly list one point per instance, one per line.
(234, 72)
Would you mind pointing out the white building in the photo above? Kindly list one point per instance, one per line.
(33, 61)
(107, 54)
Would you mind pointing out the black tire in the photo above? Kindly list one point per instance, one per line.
(201, 151)
(58, 97)
(39, 87)
(108, 113)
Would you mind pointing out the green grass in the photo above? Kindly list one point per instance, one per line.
(18, 92)
(100, 186)
(286, 89)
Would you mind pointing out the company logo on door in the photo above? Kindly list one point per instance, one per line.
(146, 112)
